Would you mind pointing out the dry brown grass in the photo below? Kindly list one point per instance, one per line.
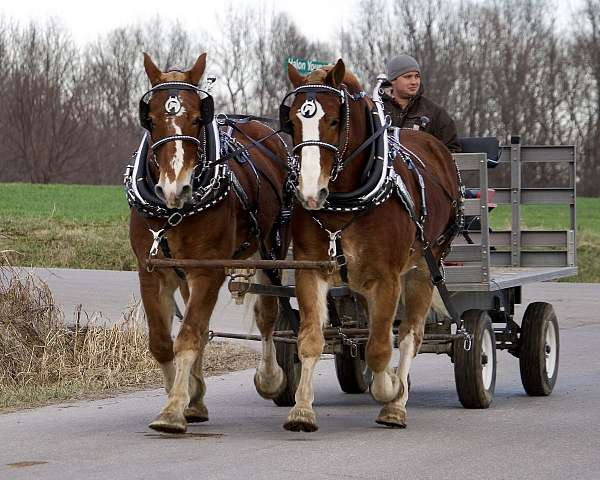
(42, 359)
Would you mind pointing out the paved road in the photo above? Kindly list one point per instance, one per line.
(518, 437)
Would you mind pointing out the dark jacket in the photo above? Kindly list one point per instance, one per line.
(438, 123)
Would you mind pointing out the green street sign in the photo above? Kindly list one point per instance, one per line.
(303, 65)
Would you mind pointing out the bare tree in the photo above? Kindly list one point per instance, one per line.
(232, 54)
(585, 94)
(42, 121)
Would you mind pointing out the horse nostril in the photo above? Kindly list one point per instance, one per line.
(186, 191)
(159, 192)
(323, 193)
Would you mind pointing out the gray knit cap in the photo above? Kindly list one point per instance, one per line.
(400, 65)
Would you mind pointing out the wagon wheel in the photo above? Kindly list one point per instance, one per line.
(475, 369)
(287, 358)
(352, 372)
(539, 349)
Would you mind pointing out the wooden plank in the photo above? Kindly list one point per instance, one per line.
(507, 277)
(465, 253)
(464, 274)
(537, 196)
(469, 161)
(548, 258)
(529, 238)
(541, 153)
(472, 207)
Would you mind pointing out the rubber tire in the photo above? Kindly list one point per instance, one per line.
(468, 364)
(287, 358)
(351, 371)
(532, 345)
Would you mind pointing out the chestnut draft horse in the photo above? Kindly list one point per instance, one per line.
(194, 205)
(384, 250)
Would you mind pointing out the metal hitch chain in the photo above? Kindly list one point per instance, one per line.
(468, 342)
(348, 341)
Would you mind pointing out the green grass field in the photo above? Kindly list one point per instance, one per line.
(70, 226)
(75, 226)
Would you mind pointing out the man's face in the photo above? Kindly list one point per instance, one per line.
(407, 85)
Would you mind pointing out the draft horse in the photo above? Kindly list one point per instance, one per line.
(378, 224)
(190, 200)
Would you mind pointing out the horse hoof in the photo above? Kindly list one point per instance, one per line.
(301, 420)
(196, 414)
(270, 393)
(169, 423)
(392, 416)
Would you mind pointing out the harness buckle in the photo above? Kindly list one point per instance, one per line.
(175, 219)
(340, 260)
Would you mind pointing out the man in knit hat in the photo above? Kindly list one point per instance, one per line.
(404, 102)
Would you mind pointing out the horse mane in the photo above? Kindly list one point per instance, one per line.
(350, 80)
(175, 76)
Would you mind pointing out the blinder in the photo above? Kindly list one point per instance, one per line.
(285, 122)
(207, 106)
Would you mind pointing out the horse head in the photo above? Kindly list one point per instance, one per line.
(319, 121)
(174, 111)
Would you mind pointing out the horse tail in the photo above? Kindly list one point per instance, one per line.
(437, 304)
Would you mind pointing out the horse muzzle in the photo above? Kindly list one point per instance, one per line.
(313, 202)
(174, 196)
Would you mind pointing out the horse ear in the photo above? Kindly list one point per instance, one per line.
(198, 69)
(152, 70)
(294, 76)
(335, 77)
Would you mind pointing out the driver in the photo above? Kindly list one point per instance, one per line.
(405, 104)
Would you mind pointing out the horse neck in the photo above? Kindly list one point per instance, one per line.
(349, 177)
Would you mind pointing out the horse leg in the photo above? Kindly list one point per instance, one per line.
(157, 297)
(204, 291)
(312, 290)
(417, 300)
(196, 410)
(269, 379)
(382, 297)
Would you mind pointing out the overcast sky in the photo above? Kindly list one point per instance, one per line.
(315, 18)
(85, 20)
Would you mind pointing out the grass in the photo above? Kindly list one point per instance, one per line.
(43, 360)
(89, 204)
(68, 226)
(76, 226)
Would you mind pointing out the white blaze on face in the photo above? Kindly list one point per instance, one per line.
(177, 160)
(310, 169)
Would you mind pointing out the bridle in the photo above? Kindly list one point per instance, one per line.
(307, 110)
(172, 107)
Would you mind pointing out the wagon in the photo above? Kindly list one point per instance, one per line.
(485, 273)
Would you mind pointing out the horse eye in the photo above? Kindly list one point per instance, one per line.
(334, 122)
(196, 121)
